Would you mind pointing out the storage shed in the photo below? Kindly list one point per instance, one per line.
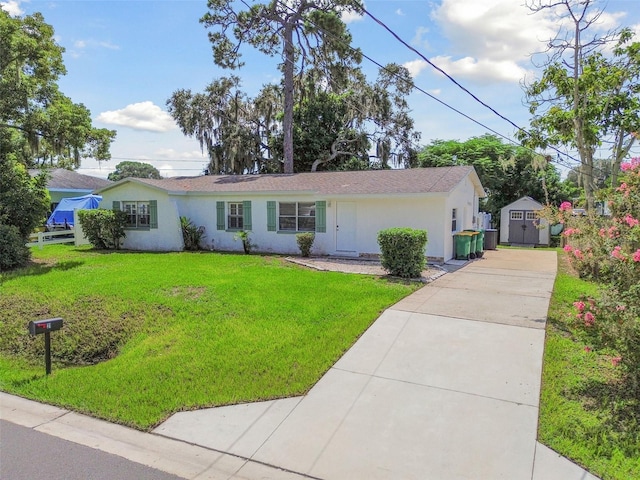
(519, 224)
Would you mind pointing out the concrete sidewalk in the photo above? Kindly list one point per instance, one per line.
(444, 385)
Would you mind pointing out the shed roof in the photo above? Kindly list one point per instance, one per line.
(367, 182)
(63, 179)
(523, 200)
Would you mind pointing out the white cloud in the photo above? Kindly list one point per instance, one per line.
(494, 39)
(81, 46)
(419, 40)
(400, 12)
(608, 21)
(481, 71)
(350, 16)
(108, 45)
(140, 116)
(12, 7)
(494, 29)
(415, 67)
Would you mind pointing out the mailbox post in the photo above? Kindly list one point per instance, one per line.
(46, 326)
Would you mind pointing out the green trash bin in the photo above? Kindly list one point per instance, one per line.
(480, 244)
(474, 241)
(462, 246)
(477, 242)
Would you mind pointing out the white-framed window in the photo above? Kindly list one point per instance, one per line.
(530, 215)
(297, 216)
(516, 215)
(138, 213)
(235, 216)
(454, 220)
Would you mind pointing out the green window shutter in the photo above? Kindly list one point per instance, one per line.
(321, 216)
(271, 216)
(220, 215)
(116, 205)
(153, 213)
(246, 215)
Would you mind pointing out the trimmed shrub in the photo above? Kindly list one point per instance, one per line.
(13, 252)
(403, 251)
(103, 228)
(191, 234)
(305, 242)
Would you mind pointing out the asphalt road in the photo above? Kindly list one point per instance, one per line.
(26, 454)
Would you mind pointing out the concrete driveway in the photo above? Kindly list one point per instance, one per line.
(443, 386)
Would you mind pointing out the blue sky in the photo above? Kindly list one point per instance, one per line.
(125, 58)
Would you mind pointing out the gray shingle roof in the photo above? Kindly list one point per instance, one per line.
(369, 182)
(63, 179)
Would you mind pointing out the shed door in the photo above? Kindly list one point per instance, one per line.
(522, 228)
(346, 226)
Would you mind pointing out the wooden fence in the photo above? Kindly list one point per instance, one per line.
(41, 239)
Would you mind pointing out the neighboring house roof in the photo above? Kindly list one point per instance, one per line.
(63, 179)
(367, 182)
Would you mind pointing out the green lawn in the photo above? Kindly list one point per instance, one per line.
(585, 413)
(148, 334)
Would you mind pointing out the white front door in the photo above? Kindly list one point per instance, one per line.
(346, 226)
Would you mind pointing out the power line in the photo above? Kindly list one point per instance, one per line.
(455, 82)
(421, 90)
(559, 152)
(147, 160)
(161, 169)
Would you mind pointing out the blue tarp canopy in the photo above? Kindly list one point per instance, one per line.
(64, 210)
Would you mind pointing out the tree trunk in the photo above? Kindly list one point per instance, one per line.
(585, 151)
(288, 96)
(587, 179)
(620, 152)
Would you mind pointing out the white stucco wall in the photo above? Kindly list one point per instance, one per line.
(375, 214)
(371, 214)
(168, 235)
(466, 201)
(201, 210)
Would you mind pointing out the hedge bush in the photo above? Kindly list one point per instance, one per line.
(403, 251)
(305, 242)
(13, 252)
(103, 228)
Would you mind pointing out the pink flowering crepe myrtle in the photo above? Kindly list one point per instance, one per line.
(586, 311)
(624, 188)
(624, 232)
(632, 222)
(631, 165)
(566, 207)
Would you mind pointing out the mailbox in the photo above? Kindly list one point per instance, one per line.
(45, 326)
